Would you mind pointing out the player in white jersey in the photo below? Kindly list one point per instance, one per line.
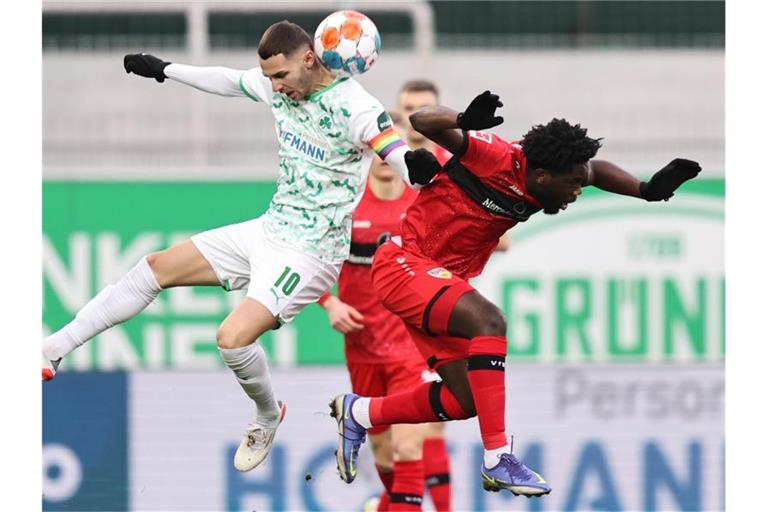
(328, 129)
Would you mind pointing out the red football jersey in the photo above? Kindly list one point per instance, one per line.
(458, 218)
(384, 337)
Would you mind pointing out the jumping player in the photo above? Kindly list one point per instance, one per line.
(412, 96)
(328, 129)
(381, 357)
(447, 236)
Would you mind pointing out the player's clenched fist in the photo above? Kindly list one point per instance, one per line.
(343, 317)
(144, 64)
(663, 184)
(422, 166)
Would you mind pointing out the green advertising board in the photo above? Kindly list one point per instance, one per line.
(611, 279)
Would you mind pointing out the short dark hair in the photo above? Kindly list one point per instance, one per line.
(420, 85)
(558, 146)
(283, 37)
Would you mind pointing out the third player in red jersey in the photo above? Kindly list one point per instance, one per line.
(384, 338)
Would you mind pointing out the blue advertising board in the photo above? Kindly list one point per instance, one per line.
(85, 461)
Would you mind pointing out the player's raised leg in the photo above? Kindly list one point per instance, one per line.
(243, 355)
(466, 337)
(479, 320)
(429, 402)
(180, 265)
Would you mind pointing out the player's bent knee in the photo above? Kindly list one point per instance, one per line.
(162, 268)
(229, 337)
(154, 260)
(409, 449)
(223, 340)
(473, 315)
(492, 323)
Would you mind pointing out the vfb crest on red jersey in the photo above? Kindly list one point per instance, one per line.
(440, 273)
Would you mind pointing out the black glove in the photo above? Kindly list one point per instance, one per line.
(144, 64)
(663, 184)
(422, 166)
(479, 115)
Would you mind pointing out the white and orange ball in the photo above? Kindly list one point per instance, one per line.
(347, 42)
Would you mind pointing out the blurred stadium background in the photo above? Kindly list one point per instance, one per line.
(616, 308)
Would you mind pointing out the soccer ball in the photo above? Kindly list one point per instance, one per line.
(347, 42)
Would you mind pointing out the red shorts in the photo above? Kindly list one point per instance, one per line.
(423, 294)
(381, 379)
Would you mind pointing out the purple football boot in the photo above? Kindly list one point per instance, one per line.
(514, 476)
(351, 436)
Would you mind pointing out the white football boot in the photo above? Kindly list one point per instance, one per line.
(256, 443)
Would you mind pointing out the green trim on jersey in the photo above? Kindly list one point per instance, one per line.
(327, 88)
(245, 91)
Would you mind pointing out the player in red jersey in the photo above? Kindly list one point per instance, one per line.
(381, 357)
(415, 95)
(412, 97)
(447, 236)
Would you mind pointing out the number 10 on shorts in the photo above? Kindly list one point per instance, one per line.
(289, 280)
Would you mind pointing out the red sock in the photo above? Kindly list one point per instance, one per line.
(430, 402)
(437, 472)
(386, 476)
(485, 371)
(408, 486)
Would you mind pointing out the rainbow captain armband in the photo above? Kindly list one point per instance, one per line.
(385, 142)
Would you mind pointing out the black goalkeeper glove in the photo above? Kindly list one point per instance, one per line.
(422, 166)
(144, 64)
(480, 114)
(663, 184)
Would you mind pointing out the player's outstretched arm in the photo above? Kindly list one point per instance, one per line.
(446, 126)
(212, 79)
(438, 124)
(662, 185)
(612, 178)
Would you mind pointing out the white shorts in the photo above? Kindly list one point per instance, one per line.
(279, 276)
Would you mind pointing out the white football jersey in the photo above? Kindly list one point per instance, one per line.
(326, 142)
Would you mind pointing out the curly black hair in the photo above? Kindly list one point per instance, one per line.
(558, 145)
